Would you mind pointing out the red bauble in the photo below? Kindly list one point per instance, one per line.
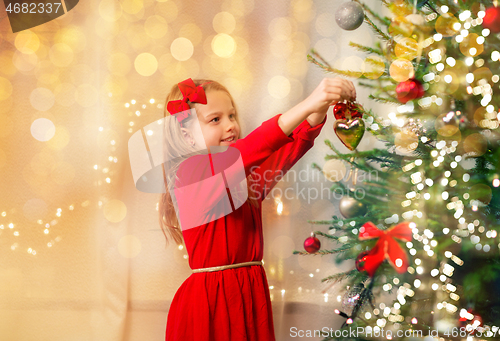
(347, 110)
(339, 111)
(360, 261)
(312, 244)
(491, 19)
(356, 110)
(409, 90)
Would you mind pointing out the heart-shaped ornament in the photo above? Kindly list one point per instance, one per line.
(349, 132)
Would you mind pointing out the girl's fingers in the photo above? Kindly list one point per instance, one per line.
(342, 84)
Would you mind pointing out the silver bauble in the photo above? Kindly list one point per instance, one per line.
(350, 15)
(350, 207)
(351, 298)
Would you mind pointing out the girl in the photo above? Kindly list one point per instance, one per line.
(227, 296)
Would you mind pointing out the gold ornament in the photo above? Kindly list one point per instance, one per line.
(349, 132)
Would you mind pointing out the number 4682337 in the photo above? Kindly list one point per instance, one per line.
(33, 7)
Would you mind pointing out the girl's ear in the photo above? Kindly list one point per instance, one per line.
(188, 137)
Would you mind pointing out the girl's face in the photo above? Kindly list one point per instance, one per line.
(217, 120)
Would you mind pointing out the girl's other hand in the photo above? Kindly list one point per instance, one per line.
(329, 92)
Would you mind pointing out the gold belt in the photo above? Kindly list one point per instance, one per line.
(230, 266)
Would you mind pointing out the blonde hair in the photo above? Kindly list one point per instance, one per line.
(179, 146)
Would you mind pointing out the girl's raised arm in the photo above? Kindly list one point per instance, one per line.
(314, 107)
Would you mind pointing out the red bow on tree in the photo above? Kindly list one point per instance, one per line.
(192, 93)
(387, 247)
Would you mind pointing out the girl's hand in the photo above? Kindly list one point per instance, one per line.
(329, 92)
(314, 107)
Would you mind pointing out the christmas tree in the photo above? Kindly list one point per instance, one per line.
(424, 228)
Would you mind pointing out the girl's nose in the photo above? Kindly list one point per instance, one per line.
(230, 125)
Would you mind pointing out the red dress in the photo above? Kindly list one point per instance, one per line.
(234, 304)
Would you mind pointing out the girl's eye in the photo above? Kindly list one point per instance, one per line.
(216, 118)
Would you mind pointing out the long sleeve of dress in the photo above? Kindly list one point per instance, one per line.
(271, 171)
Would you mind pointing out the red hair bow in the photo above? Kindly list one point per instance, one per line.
(192, 93)
(387, 247)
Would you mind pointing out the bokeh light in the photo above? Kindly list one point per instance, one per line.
(82, 73)
(401, 26)
(167, 10)
(42, 99)
(406, 141)
(481, 75)
(445, 24)
(129, 246)
(138, 38)
(302, 10)
(114, 210)
(327, 48)
(42, 129)
(27, 42)
(401, 70)
(5, 106)
(181, 49)
(481, 192)
(223, 45)
(192, 32)
(475, 144)
(334, 170)
(355, 65)
(281, 48)
(46, 73)
(60, 139)
(406, 48)
(324, 24)
(279, 87)
(156, 27)
(61, 55)
(470, 47)
(374, 67)
(8, 68)
(110, 10)
(280, 28)
(446, 124)
(132, 6)
(106, 30)
(72, 36)
(146, 64)
(224, 22)
(25, 62)
(119, 64)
